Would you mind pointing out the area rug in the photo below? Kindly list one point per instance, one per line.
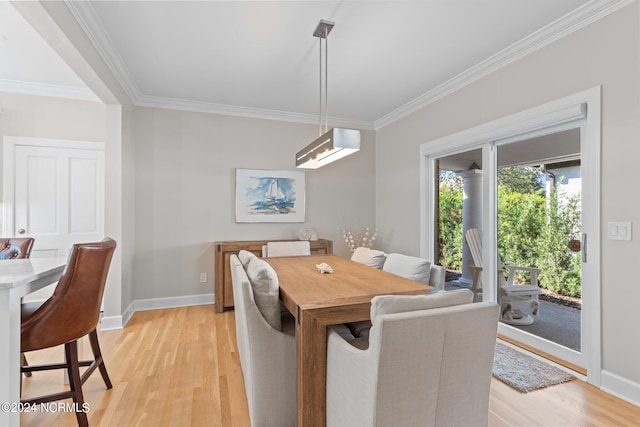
(524, 373)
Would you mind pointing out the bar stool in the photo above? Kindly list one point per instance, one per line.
(69, 314)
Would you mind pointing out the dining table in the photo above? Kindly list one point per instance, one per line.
(318, 300)
(18, 277)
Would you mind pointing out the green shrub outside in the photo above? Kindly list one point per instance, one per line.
(529, 233)
(450, 241)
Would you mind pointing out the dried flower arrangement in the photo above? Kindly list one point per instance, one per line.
(365, 239)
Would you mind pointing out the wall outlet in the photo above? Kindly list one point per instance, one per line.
(203, 277)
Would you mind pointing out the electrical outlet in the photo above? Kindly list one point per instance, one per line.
(203, 277)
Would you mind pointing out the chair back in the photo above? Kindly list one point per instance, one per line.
(423, 367)
(293, 248)
(370, 257)
(474, 241)
(437, 277)
(74, 308)
(16, 247)
(449, 378)
(411, 267)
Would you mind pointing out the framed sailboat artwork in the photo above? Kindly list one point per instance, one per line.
(269, 196)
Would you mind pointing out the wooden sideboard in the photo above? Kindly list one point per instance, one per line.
(224, 250)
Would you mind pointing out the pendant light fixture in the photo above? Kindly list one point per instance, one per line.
(335, 143)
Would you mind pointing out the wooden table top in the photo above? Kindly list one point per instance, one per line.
(301, 282)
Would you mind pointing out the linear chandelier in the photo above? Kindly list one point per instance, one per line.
(335, 143)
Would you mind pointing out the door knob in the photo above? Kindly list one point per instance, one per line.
(21, 231)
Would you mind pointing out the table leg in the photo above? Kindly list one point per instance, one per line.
(311, 346)
(9, 357)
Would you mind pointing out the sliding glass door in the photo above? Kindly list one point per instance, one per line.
(538, 187)
(539, 229)
(508, 208)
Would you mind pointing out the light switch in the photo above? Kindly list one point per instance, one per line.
(619, 231)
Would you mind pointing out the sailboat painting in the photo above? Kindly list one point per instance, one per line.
(269, 196)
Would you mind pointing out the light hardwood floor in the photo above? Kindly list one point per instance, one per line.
(179, 367)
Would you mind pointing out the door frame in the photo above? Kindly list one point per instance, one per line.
(8, 168)
(582, 110)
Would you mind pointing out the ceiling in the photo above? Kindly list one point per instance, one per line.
(259, 58)
(29, 65)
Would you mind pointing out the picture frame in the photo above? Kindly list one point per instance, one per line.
(269, 196)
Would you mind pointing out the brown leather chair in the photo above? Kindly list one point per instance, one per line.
(15, 247)
(69, 314)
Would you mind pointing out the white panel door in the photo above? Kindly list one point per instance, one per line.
(58, 196)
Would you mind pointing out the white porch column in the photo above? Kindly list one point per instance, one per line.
(471, 215)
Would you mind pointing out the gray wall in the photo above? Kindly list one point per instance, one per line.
(604, 53)
(185, 166)
(184, 193)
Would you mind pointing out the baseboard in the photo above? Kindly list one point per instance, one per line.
(109, 323)
(128, 313)
(172, 302)
(620, 387)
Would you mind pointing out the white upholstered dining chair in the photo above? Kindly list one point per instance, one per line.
(410, 267)
(368, 256)
(427, 362)
(267, 349)
(414, 268)
(293, 248)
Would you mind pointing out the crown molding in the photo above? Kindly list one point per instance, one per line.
(43, 89)
(562, 27)
(90, 23)
(254, 113)
(590, 12)
(86, 16)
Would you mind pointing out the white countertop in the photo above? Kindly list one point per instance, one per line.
(17, 272)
